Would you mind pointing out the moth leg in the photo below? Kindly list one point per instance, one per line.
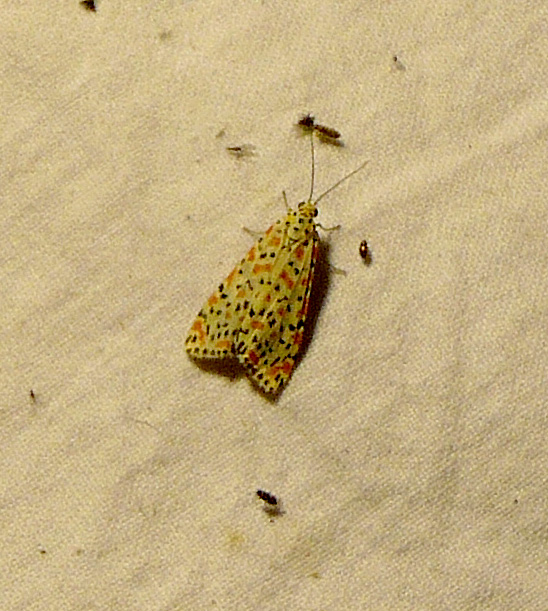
(285, 200)
(253, 234)
(338, 270)
(328, 228)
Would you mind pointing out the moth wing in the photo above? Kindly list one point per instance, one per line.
(213, 332)
(272, 332)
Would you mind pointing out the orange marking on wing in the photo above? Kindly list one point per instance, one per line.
(258, 268)
(240, 293)
(199, 328)
(299, 252)
(288, 282)
(275, 241)
(257, 324)
(288, 366)
(213, 300)
(285, 368)
(315, 251)
(252, 356)
(223, 344)
(230, 277)
(251, 254)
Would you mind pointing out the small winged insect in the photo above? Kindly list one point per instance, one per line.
(89, 5)
(364, 249)
(271, 506)
(326, 134)
(244, 150)
(398, 63)
(267, 497)
(32, 396)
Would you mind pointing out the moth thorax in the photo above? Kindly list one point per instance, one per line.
(308, 209)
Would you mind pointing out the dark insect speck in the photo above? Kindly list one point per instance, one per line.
(364, 250)
(89, 5)
(267, 497)
(326, 134)
(306, 121)
(244, 150)
(329, 132)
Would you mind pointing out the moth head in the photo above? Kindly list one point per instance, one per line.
(308, 209)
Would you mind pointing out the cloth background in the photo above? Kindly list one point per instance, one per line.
(409, 450)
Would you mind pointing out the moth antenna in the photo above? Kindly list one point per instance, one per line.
(312, 176)
(342, 180)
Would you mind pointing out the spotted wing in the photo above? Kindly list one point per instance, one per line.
(220, 320)
(258, 313)
(272, 332)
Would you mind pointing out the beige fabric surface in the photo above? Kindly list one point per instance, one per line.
(409, 449)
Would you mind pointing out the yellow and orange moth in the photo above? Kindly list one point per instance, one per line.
(258, 313)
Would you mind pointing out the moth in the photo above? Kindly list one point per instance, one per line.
(258, 314)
